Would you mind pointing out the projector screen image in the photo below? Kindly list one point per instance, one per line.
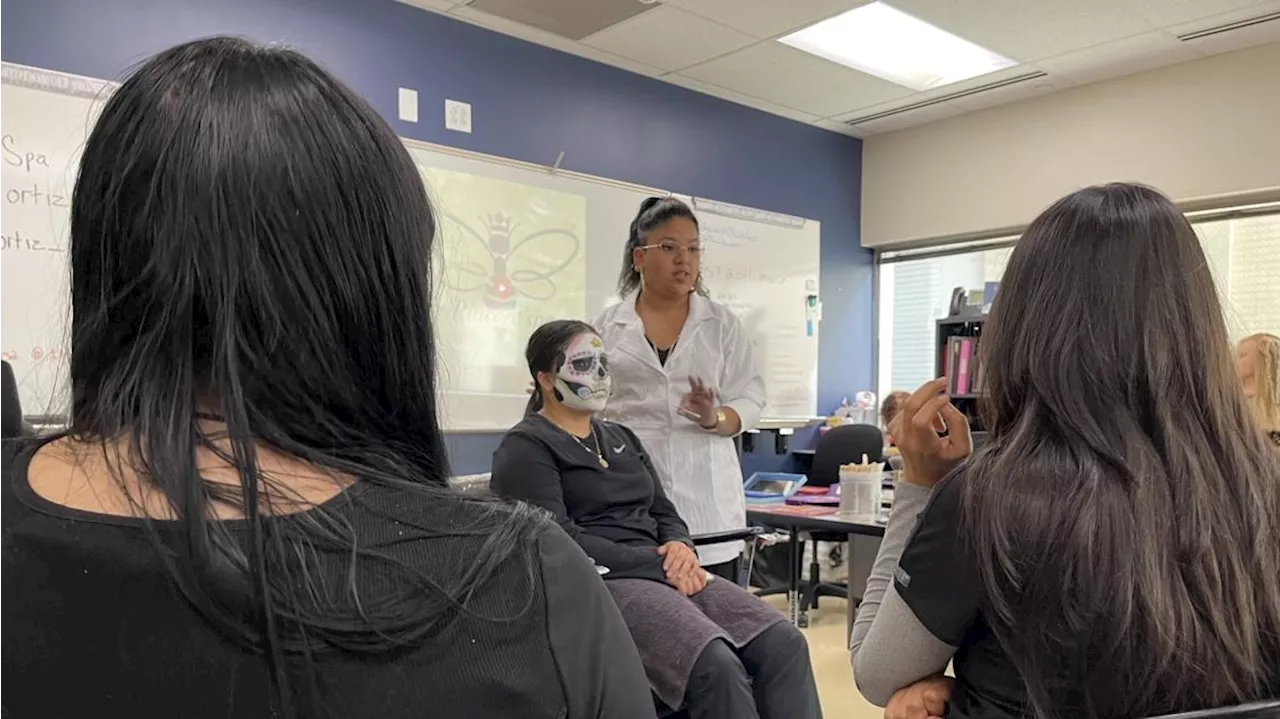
(508, 258)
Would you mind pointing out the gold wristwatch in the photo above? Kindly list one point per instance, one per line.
(720, 419)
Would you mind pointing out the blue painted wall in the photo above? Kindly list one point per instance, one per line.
(528, 103)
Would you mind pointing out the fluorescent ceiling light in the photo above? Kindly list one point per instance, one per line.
(881, 40)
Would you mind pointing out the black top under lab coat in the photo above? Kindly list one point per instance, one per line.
(618, 514)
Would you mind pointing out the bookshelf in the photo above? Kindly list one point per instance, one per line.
(956, 357)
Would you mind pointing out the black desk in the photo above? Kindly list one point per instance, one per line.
(779, 516)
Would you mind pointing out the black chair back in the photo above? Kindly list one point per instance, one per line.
(11, 407)
(844, 445)
(1269, 708)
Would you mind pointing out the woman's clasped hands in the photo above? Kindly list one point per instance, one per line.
(680, 564)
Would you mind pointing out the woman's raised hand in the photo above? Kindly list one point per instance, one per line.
(699, 403)
(933, 436)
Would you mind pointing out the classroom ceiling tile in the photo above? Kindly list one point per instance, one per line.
(1030, 30)
(983, 84)
(780, 74)
(899, 120)
(437, 5)
(766, 18)
(547, 39)
(840, 127)
(1119, 57)
(1013, 92)
(999, 88)
(1254, 25)
(1164, 13)
(573, 19)
(728, 48)
(669, 38)
(731, 96)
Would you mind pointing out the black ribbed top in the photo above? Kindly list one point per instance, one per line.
(95, 627)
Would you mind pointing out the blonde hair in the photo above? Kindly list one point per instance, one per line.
(1265, 401)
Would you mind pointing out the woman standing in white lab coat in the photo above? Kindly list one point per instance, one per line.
(684, 377)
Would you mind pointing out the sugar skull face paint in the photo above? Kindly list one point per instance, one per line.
(583, 378)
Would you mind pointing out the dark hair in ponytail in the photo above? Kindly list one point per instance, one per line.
(545, 352)
(653, 213)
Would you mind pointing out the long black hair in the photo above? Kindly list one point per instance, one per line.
(248, 237)
(653, 213)
(1125, 513)
(545, 352)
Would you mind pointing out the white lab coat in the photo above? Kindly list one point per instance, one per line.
(699, 470)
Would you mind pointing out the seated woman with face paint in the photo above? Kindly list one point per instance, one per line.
(706, 643)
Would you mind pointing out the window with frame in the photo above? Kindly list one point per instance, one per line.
(1244, 255)
(912, 293)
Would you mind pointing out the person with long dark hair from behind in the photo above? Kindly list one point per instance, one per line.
(706, 643)
(1113, 551)
(249, 515)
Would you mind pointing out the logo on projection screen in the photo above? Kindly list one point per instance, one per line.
(504, 244)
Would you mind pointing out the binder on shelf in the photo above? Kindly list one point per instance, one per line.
(975, 370)
(953, 363)
(958, 344)
(963, 365)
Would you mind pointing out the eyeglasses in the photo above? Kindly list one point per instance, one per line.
(671, 249)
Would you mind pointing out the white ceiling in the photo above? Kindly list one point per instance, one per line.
(728, 48)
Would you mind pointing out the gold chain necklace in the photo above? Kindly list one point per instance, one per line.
(594, 438)
(599, 457)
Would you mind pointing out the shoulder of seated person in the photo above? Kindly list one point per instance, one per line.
(385, 503)
(621, 432)
(613, 427)
(528, 423)
(529, 429)
(947, 494)
(556, 549)
(955, 478)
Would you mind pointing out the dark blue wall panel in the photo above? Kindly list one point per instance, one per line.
(528, 103)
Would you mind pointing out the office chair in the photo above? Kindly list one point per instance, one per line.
(478, 484)
(11, 409)
(845, 444)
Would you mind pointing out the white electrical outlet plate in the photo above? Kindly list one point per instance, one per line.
(457, 116)
(408, 105)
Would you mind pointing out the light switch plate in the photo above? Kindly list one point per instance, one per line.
(457, 116)
(408, 105)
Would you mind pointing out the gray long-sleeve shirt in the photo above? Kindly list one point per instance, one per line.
(889, 647)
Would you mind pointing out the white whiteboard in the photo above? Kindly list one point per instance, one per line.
(46, 118)
(517, 245)
(764, 267)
